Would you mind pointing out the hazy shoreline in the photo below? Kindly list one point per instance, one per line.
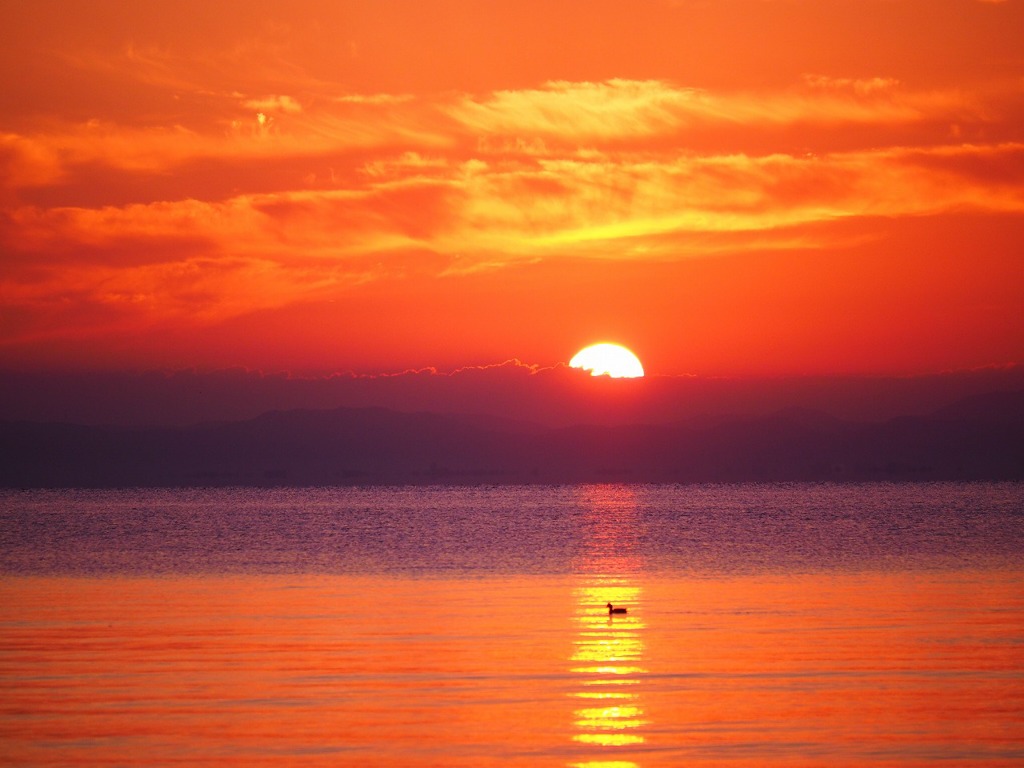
(979, 438)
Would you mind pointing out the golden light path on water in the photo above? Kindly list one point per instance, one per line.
(608, 655)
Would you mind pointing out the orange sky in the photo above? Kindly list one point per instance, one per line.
(738, 187)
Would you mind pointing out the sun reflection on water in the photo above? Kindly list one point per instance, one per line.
(608, 651)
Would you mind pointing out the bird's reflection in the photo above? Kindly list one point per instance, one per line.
(608, 653)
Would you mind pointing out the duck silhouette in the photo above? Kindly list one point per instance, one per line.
(612, 609)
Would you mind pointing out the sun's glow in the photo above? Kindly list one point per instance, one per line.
(608, 360)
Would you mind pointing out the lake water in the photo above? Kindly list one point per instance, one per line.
(789, 625)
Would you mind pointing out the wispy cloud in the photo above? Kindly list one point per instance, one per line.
(356, 187)
(561, 118)
(635, 111)
(273, 104)
(210, 260)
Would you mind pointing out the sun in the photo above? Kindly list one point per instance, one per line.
(608, 360)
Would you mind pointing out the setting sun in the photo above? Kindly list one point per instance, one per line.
(608, 360)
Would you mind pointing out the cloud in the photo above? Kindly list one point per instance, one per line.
(375, 99)
(202, 261)
(274, 104)
(859, 86)
(555, 206)
(27, 162)
(587, 111)
(49, 156)
(635, 111)
(299, 193)
(611, 116)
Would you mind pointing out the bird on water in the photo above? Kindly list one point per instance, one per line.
(612, 609)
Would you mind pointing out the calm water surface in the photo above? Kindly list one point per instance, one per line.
(782, 624)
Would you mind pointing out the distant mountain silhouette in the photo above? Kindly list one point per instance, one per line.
(992, 408)
(980, 437)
